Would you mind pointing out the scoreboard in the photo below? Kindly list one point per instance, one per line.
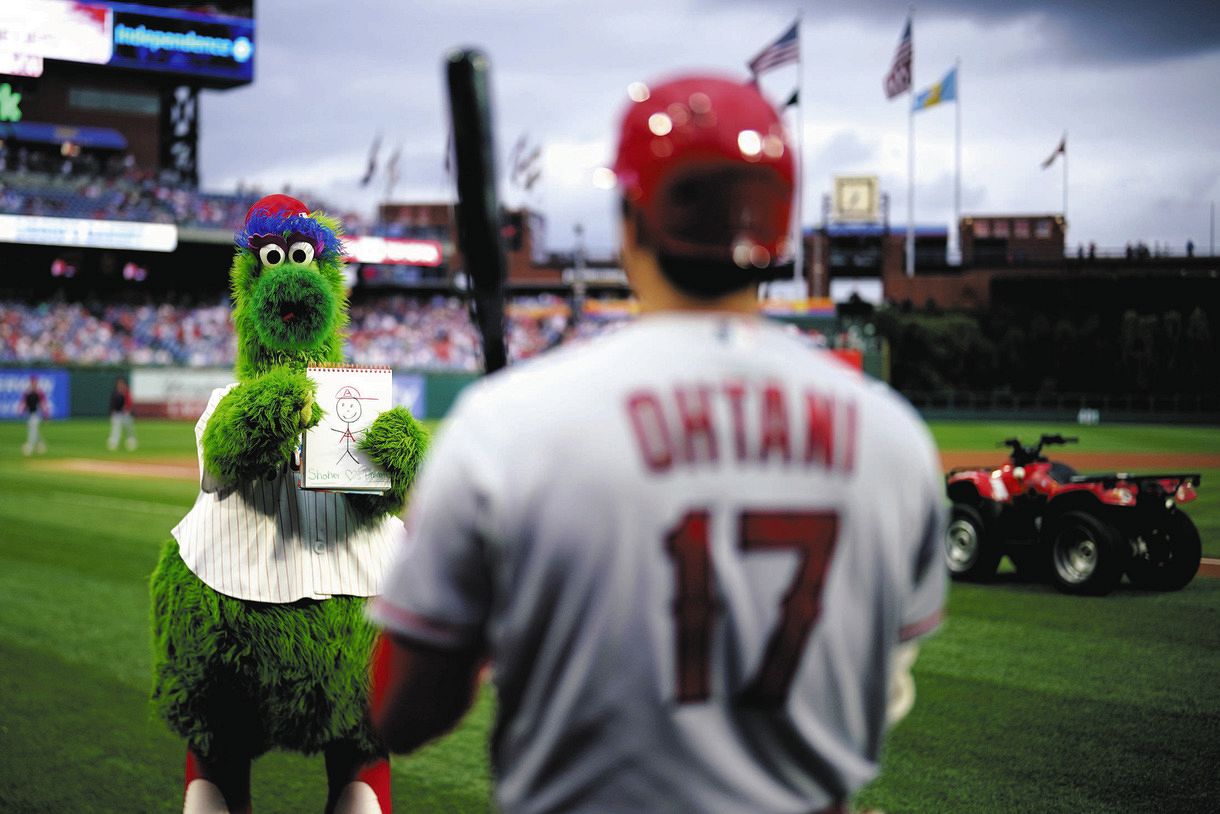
(187, 46)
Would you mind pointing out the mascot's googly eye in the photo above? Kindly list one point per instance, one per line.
(271, 255)
(301, 252)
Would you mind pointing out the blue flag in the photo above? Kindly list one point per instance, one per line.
(943, 91)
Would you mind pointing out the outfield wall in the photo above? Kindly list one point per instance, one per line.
(182, 393)
(1067, 407)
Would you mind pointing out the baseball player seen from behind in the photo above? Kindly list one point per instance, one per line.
(697, 552)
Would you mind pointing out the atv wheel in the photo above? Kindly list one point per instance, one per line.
(1172, 556)
(1086, 555)
(969, 553)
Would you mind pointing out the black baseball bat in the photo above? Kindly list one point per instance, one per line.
(478, 209)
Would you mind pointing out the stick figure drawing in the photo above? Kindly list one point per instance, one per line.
(349, 410)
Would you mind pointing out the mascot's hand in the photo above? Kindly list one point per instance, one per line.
(255, 426)
(396, 442)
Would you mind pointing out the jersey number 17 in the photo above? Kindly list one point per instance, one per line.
(811, 535)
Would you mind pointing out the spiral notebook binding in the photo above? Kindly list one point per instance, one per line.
(348, 368)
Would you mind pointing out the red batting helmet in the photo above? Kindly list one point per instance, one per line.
(706, 162)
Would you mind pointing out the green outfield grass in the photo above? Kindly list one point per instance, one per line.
(1028, 700)
(1101, 438)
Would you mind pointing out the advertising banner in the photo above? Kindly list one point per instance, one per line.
(172, 393)
(393, 250)
(201, 45)
(181, 42)
(94, 234)
(54, 385)
(411, 391)
(184, 393)
(56, 29)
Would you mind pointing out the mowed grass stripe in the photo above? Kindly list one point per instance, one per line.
(64, 500)
(1009, 655)
(80, 740)
(1100, 438)
(34, 483)
(972, 746)
(78, 618)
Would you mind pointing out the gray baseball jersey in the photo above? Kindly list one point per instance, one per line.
(691, 549)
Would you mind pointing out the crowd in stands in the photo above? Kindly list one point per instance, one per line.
(130, 195)
(396, 330)
(76, 333)
(399, 331)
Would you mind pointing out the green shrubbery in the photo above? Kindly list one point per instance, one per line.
(1159, 353)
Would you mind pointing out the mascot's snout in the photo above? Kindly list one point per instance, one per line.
(286, 279)
(294, 304)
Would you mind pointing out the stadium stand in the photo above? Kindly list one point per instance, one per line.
(395, 330)
(131, 195)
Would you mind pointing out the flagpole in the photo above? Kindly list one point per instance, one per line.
(910, 246)
(957, 169)
(1065, 185)
(798, 271)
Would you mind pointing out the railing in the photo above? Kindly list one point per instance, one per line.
(1068, 406)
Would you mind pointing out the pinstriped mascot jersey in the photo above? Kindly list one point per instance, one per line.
(267, 540)
(691, 549)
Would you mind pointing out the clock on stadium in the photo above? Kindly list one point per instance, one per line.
(856, 198)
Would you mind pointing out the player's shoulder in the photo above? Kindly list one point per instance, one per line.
(895, 428)
(567, 369)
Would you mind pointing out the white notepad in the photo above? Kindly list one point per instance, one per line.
(350, 398)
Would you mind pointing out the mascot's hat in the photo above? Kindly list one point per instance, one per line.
(352, 393)
(275, 214)
(283, 206)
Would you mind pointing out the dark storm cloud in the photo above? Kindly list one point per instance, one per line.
(1103, 31)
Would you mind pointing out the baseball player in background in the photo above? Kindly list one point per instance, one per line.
(121, 420)
(697, 552)
(34, 405)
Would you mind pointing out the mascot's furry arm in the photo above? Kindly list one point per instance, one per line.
(396, 442)
(254, 428)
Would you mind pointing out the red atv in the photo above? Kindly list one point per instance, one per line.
(1084, 531)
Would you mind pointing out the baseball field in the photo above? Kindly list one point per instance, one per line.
(1028, 700)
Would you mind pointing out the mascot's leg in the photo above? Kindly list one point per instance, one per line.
(201, 686)
(357, 783)
(214, 788)
(236, 678)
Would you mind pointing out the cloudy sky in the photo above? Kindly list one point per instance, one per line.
(1136, 86)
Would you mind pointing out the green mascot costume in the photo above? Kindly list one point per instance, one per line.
(258, 600)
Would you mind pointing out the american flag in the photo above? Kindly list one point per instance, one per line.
(784, 50)
(1062, 149)
(898, 80)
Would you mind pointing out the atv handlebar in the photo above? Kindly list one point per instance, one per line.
(1022, 454)
(1057, 439)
